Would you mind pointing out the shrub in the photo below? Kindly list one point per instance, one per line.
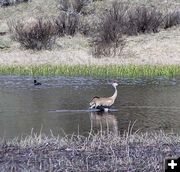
(172, 19)
(78, 5)
(35, 34)
(109, 37)
(70, 12)
(5, 3)
(67, 23)
(73, 5)
(143, 20)
(88, 25)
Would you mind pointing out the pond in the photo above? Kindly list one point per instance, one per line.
(152, 104)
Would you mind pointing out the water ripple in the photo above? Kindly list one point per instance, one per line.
(76, 82)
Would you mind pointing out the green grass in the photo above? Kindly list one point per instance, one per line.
(94, 71)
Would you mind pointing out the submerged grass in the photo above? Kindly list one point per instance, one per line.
(102, 151)
(94, 71)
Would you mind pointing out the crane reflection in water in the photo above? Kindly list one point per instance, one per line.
(103, 121)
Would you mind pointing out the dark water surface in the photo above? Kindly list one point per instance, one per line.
(153, 103)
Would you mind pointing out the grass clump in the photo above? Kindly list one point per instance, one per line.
(102, 151)
(34, 34)
(93, 71)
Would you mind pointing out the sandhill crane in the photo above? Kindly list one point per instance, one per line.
(104, 103)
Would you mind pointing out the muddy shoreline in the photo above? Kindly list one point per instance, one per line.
(99, 152)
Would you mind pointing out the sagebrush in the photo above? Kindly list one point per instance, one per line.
(37, 34)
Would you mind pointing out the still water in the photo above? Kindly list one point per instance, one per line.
(153, 103)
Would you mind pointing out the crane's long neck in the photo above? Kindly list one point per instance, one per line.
(115, 94)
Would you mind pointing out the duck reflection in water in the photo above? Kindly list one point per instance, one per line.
(104, 121)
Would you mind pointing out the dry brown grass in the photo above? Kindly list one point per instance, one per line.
(160, 48)
(102, 151)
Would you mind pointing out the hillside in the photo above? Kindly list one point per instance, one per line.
(150, 48)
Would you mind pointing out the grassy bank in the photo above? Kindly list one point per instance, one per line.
(96, 152)
(138, 45)
(93, 71)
